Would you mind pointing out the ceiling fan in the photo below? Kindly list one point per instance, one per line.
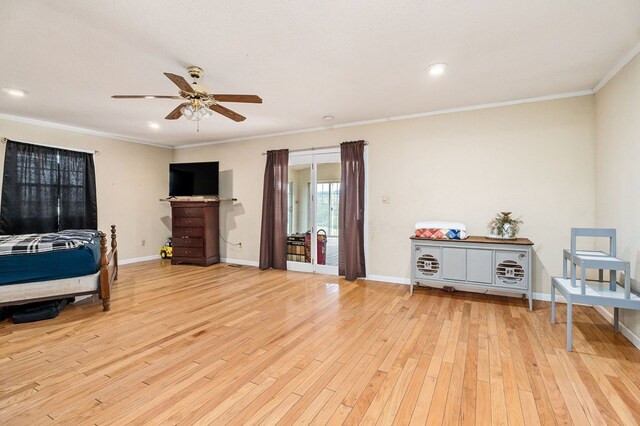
(198, 103)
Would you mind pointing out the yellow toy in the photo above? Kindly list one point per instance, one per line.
(167, 250)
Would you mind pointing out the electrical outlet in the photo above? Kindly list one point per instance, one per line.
(143, 243)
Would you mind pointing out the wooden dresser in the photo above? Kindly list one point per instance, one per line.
(195, 232)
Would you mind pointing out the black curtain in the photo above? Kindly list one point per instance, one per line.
(78, 207)
(351, 260)
(273, 235)
(47, 190)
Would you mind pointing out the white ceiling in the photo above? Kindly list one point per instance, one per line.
(356, 60)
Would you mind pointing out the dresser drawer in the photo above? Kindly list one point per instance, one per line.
(187, 222)
(187, 242)
(187, 252)
(187, 232)
(195, 232)
(188, 212)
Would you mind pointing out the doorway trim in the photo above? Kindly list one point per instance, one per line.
(313, 158)
(313, 268)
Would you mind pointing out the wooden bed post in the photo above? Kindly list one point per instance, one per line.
(105, 288)
(114, 246)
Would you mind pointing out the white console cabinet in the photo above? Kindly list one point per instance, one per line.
(474, 264)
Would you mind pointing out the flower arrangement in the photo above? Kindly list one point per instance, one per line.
(504, 226)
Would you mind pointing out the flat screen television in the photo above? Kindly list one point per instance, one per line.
(187, 179)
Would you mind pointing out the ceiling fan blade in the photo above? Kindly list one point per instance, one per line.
(226, 112)
(180, 82)
(252, 99)
(145, 97)
(175, 114)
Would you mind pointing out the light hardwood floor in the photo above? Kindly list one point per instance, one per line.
(236, 345)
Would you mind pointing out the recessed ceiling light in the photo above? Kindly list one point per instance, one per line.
(437, 69)
(153, 125)
(328, 117)
(14, 92)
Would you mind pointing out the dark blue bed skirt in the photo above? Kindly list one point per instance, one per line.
(15, 269)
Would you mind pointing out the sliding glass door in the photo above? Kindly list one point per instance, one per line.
(314, 196)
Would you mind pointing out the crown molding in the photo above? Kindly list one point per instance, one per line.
(259, 136)
(400, 117)
(82, 130)
(473, 108)
(617, 67)
(66, 127)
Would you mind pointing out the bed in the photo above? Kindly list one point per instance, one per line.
(80, 268)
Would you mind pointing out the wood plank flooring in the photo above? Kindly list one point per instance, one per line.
(235, 345)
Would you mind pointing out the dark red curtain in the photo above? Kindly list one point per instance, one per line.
(351, 262)
(273, 237)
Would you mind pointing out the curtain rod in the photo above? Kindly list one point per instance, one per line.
(4, 140)
(314, 148)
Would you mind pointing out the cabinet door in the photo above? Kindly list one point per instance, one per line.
(512, 269)
(426, 263)
(454, 264)
(480, 265)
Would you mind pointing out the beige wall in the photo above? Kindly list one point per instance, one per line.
(618, 169)
(130, 178)
(536, 160)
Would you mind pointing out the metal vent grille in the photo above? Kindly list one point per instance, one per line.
(428, 264)
(510, 272)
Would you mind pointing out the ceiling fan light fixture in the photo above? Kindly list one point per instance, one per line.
(187, 111)
(196, 112)
(204, 112)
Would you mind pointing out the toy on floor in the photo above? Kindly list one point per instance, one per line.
(167, 250)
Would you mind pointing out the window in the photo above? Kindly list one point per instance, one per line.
(46, 190)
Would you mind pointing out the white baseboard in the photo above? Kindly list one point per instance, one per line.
(240, 262)
(385, 279)
(546, 297)
(626, 331)
(138, 259)
(157, 256)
